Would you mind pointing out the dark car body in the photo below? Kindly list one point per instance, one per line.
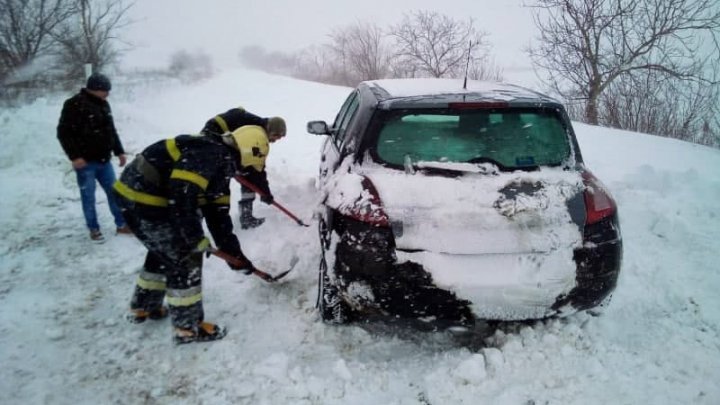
(444, 203)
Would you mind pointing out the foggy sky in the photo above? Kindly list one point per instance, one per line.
(222, 27)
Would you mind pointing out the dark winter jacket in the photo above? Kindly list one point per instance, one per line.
(183, 180)
(231, 120)
(86, 129)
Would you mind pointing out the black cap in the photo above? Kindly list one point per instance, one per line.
(98, 81)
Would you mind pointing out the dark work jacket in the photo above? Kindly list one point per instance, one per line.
(231, 120)
(86, 129)
(183, 180)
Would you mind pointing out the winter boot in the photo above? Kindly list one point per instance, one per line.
(124, 230)
(204, 332)
(140, 315)
(247, 220)
(96, 236)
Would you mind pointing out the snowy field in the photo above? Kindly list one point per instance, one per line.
(63, 338)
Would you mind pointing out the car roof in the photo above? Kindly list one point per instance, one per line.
(432, 92)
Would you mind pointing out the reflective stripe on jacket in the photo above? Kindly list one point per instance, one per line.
(231, 120)
(181, 177)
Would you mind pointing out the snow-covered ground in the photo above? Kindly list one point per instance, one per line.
(63, 339)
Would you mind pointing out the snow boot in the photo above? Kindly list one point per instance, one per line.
(96, 236)
(247, 220)
(204, 332)
(124, 230)
(140, 315)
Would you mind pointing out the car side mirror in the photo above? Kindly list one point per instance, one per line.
(318, 128)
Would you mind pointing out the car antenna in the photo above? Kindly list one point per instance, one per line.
(467, 66)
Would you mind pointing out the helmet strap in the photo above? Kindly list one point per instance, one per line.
(229, 141)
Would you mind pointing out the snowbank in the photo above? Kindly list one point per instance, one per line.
(63, 339)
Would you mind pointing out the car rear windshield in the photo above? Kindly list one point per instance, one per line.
(511, 138)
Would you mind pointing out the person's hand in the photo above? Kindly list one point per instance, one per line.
(78, 163)
(122, 159)
(241, 264)
(267, 199)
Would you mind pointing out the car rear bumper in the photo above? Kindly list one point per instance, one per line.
(422, 284)
(501, 287)
(492, 287)
(598, 268)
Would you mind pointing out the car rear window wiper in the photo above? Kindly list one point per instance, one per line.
(483, 159)
(447, 167)
(489, 164)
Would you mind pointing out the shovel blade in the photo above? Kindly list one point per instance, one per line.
(293, 262)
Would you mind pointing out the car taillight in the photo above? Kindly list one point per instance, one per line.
(598, 202)
(369, 208)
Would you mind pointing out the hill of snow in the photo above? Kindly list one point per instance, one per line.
(63, 339)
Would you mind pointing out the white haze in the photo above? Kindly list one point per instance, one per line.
(222, 27)
(63, 339)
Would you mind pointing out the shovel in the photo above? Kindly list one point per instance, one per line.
(263, 275)
(254, 188)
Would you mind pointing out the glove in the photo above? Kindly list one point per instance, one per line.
(267, 199)
(203, 245)
(244, 265)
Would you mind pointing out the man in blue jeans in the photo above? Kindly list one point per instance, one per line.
(87, 134)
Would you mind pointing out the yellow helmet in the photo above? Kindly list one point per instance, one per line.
(252, 143)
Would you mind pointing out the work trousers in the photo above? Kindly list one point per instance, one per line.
(168, 272)
(246, 194)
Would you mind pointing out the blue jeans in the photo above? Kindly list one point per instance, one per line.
(105, 175)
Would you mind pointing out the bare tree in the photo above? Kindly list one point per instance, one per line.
(190, 67)
(429, 43)
(257, 57)
(25, 30)
(365, 51)
(654, 103)
(586, 45)
(360, 51)
(316, 63)
(92, 36)
(313, 63)
(484, 69)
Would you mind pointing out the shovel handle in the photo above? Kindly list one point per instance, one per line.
(254, 188)
(239, 263)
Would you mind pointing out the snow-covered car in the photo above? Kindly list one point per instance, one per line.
(448, 203)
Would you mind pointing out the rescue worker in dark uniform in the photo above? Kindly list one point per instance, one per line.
(164, 194)
(230, 121)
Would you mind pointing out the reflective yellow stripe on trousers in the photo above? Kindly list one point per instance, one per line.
(151, 281)
(185, 297)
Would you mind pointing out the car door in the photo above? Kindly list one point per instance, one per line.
(331, 156)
